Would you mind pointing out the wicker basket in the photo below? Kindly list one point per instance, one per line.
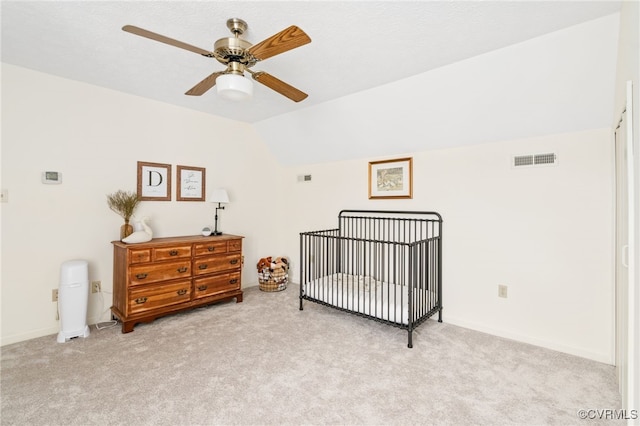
(275, 280)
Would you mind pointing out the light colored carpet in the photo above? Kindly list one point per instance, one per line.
(263, 361)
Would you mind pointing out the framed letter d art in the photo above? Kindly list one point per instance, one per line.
(154, 181)
(391, 178)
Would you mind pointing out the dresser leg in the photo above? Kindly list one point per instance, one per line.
(127, 327)
(239, 298)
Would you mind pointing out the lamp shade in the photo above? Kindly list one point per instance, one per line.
(234, 87)
(219, 196)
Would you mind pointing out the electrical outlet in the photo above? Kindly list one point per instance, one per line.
(502, 291)
(54, 295)
(96, 286)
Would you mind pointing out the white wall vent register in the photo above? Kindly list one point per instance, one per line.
(534, 160)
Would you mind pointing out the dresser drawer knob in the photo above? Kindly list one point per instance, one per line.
(233, 261)
(141, 300)
(203, 266)
(202, 287)
(141, 276)
(181, 292)
(211, 248)
(183, 269)
(233, 281)
(173, 253)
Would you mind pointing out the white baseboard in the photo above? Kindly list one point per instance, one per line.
(599, 357)
(33, 334)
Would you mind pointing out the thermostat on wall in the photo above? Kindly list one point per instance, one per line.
(51, 177)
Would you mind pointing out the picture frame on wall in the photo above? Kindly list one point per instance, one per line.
(154, 181)
(191, 183)
(391, 178)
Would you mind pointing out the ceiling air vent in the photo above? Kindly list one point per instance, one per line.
(534, 160)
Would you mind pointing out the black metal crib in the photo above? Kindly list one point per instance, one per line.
(383, 265)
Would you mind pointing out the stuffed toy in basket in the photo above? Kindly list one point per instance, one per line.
(273, 274)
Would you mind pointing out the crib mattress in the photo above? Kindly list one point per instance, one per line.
(368, 296)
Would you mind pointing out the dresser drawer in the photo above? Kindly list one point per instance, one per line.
(235, 245)
(209, 265)
(175, 252)
(149, 273)
(152, 297)
(139, 256)
(207, 286)
(214, 247)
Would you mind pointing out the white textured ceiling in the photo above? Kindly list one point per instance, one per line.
(356, 45)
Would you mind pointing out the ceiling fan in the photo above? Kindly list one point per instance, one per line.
(239, 56)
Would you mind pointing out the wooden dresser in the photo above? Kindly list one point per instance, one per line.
(168, 275)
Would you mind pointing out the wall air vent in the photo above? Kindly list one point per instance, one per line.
(523, 160)
(304, 178)
(544, 159)
(533, 160)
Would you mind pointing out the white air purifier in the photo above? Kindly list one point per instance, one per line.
(73, 297)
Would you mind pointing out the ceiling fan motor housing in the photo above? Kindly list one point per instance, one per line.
(231, 49)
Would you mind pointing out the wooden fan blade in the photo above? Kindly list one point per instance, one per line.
(162, 39)
(279, 86)
(204, 85)
(281, 42)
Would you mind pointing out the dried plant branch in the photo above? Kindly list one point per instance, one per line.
(124, 203)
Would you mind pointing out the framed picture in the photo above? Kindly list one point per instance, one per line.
(191, 183)
(391, 178)
(154, 181)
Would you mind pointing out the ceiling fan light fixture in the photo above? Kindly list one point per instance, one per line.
(234, 87)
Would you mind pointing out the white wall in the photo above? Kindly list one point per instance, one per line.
(544, 232)
(94, 137)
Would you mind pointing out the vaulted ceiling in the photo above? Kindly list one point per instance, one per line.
(357, 46)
